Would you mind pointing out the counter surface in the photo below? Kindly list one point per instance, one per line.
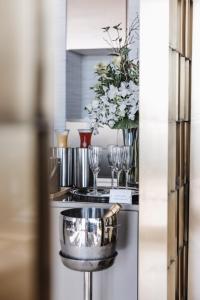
(72, 204)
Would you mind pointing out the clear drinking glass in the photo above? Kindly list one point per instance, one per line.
(118, 161)
(128, 155)
(111, 154)
(94, 156)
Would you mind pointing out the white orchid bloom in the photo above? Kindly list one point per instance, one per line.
(131, 117)
(133, 111)
(104, 99)
(110, 116)
(111, 123)
(89, 107)
(122, 106)
(124, 91)
(132, 100)
(133, 87)
(95, 104)
(112, 108)
(112, 92)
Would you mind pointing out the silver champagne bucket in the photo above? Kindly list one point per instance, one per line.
(88, 233)
(88, 241)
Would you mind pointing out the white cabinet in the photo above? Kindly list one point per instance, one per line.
(85, 18)
(116, 283)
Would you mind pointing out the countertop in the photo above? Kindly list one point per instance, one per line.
(62, 203)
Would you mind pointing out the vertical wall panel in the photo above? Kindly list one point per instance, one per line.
(18, 209)
(154, 66)
(182, 88)
(172, 181)
(24, 93)
(188, 29)
(174, 85)
(194, 241)
(172, 227)
(181, 217)
(187, 89)
(172, 281)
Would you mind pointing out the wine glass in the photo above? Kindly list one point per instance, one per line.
(118, 161)
(111, 154)
(128, 154)
(94, 156)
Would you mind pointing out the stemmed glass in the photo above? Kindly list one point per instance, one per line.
(94, 156)
(128, 154)
(118, 161)
(111, 155)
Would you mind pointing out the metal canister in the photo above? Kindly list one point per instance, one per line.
(54, 175)
(82, 175)
(65, 156)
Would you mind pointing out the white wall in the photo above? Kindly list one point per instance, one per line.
(60, 64)
(85, 18)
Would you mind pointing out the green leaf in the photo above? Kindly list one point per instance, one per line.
(126, 123)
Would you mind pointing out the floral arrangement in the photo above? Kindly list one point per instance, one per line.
(116, 91)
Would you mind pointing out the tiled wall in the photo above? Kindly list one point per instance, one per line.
(179, 146)
(73, 85)
(80, 77)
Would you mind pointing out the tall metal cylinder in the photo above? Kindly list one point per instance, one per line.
(65, 156)
(54, 174)
(82, 176)
(87, 285)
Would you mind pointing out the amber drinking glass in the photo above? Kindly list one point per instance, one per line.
(62, 138)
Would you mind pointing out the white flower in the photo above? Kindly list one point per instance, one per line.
(124, 91)
(101, 67)
(89, 107)
(132, 112)
(122, 113)
(104, 98)
(111, 117)
(133, 87)
(117, 61)
(122, 106)
(131, 117)
(95, 104)
(112, 108)
(111, 123)
(105, 88)
(112, 92)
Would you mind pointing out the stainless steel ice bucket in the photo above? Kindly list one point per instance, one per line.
(82, 175)
(65, 156)
(86, 234)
